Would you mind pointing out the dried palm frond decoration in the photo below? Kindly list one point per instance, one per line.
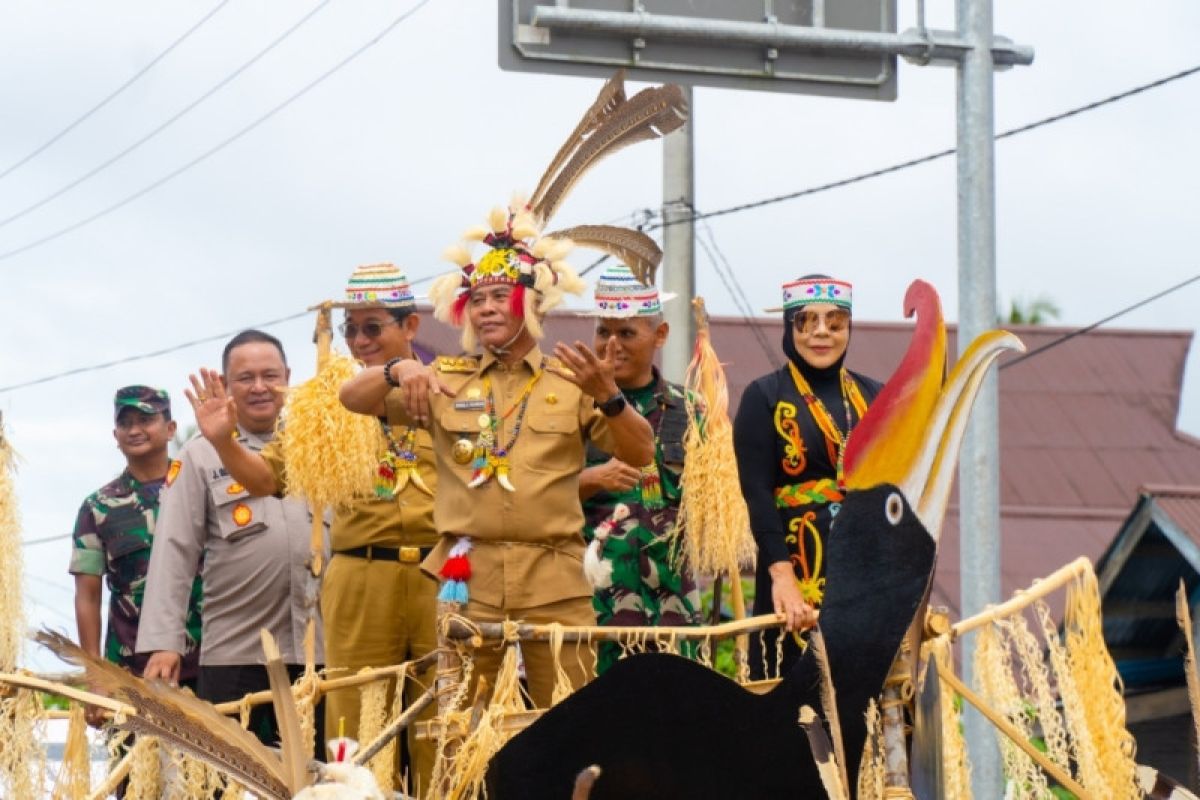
(1183, 616)
(520, 254)
(21, 758)
(330, 452)
(74, 774)
(181, 721)
(1061, 692)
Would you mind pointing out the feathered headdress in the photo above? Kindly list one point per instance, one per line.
(520, 255)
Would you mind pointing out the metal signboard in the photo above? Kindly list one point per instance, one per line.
(836, 48)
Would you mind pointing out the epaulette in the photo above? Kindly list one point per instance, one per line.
(457, 363)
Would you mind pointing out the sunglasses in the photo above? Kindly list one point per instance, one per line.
(809, 321)
(372, 329)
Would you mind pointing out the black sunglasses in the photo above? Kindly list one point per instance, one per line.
(372, 329)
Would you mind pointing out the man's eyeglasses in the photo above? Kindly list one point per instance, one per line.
(808, 321)
(372, 329)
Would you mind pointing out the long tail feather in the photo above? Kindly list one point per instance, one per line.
(611, 97)
(632, 248)
(180, 720)
(816, 641)
(647, 115)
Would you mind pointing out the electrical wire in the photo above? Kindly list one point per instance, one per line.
(1089, 328)
(144, 356)
(220, 145)
(45, 539)
(113, 95)
(221, 84)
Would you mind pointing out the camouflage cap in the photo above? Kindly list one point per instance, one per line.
(143, 398)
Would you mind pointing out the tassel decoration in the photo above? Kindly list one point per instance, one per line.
(597, 569)
(456, 572)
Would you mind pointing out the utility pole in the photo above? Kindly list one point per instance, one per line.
(979, 470)
(679, 244)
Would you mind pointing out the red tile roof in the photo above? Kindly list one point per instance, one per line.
(1082, 427)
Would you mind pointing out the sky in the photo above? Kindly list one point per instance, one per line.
(394, 155)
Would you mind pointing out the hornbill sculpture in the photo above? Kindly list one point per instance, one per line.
(662, 726)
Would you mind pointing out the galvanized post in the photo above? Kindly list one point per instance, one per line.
(679, 244)
(979, 474)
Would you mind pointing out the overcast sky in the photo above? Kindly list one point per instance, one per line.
(394, 155)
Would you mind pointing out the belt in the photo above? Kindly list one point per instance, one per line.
(405, 555)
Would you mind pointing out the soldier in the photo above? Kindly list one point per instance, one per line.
(509, 428)
(255, 550)
(377, 605)
(644, 580)
(113, 535)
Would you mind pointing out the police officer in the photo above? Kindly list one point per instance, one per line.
(113, 536)
(254, 551)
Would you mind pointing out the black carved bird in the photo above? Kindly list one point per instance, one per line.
(662, 726)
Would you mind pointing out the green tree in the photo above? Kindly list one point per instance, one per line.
(1036, 311)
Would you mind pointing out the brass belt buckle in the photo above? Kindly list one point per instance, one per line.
(410, 555)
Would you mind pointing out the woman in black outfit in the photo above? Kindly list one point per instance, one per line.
(789, 435)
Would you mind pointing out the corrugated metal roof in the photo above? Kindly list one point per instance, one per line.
(1082, 427)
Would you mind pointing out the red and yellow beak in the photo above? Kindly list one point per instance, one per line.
(911, 435)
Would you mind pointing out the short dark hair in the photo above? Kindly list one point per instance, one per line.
(249, 337)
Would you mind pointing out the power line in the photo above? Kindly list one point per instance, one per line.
(45, 539)
(170, 120)
(221, 145)
(136, 77)
(1089, 328)
(143, 356)
(878, 173)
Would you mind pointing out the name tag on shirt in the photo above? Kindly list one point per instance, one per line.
(469, 405)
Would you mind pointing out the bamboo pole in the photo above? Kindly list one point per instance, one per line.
(1011, 731)
(392, 731)
(737, 597)
(1024, 597)
(49, 687)
(119, 771)
(583, 633)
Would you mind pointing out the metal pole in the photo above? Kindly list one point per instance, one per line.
(979, 474)
(679, 244)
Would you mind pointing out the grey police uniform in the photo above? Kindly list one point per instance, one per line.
(255, 564)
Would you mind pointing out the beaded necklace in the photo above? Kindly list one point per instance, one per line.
(835, 441)
(489, 459)
(398, 467)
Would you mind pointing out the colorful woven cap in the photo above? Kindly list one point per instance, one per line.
(146, 399)
(620, 294)
(804, 291)
(378, 285)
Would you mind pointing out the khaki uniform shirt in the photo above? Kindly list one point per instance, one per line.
(255, 573)
(528, 550)
(405, 521)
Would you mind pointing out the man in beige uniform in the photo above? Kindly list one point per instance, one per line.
(378, 607)
(509, 429)
(255, 551)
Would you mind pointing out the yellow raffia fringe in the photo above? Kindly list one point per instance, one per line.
(1039, 691)
(307, 693)
(1100, 685)
(145, 774)
(462, 776)
(712, 512)
(372, 716)
(956, 768)
(22, 760)
(74, 774)
(190, 779)
(998, 685)
(872, 770)
(12, 609)
(331, 453)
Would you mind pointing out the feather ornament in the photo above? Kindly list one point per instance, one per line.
(457, 254)
(180, 720)
(595, 567)
(498, 219)
(829, 702)
(632, 248)
(649, 114)
(476, 233)
(611, 97)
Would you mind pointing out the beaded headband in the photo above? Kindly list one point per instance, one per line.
(803, 291)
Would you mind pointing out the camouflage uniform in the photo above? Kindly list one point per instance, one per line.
(649, 585)
(113, 534)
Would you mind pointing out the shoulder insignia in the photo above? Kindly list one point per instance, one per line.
(173, 471)
(457, 364)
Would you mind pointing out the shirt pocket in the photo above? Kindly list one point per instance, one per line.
(559, 444)
(463, 429)
(238, 514)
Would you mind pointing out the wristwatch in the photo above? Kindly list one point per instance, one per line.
(387, 373)
(612, 406)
